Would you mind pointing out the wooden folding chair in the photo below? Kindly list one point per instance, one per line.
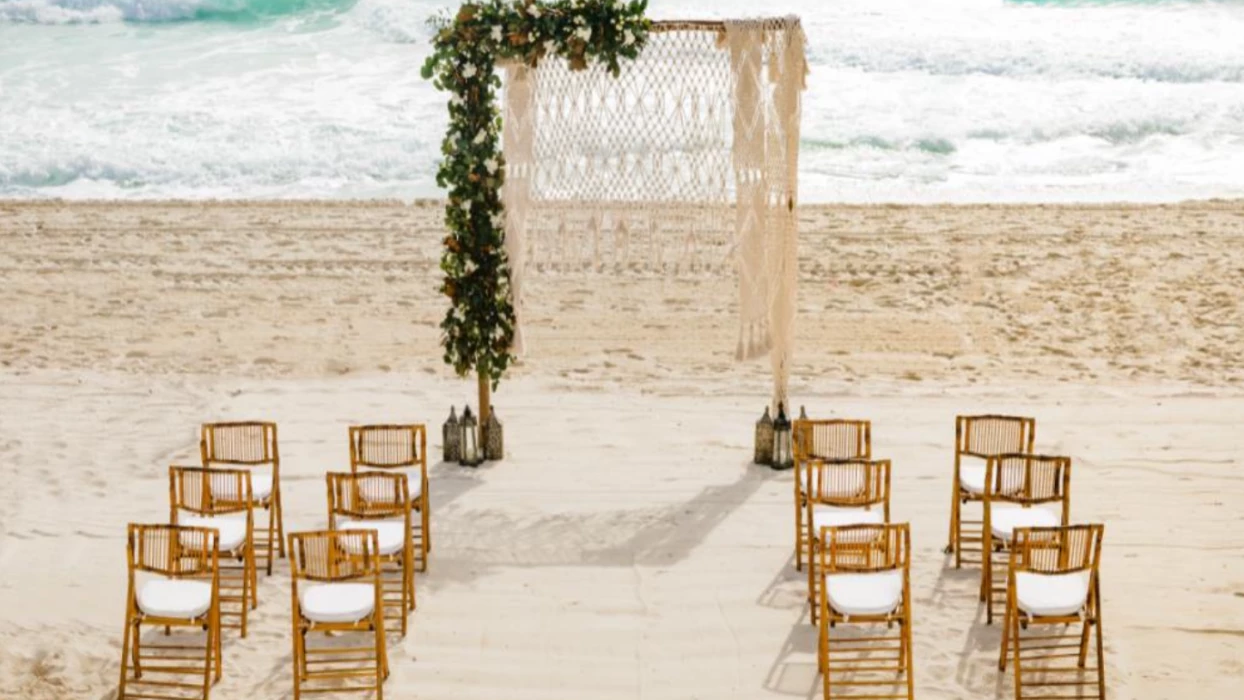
(252, 445)
(174, 582)
(840, 493)
(336, 589)
(1017, 489)
(379, 502)
(823, 440)
(978, 438)
(1054, 580)
(865, 575)
(400, 448)
(221, 499)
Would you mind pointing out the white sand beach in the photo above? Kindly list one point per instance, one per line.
(626, 547)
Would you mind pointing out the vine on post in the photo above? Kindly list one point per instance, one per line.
(479, 326)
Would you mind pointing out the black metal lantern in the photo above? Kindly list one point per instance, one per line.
(494, 445)
(450, 438)
(469, 454)
(764, 440)
(782, 457)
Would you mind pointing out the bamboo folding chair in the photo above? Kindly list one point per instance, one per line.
(173, 582)
(251, 445)
(221, 499)
(401, 448)
(1054, 580)
(979, 438)
(823, 439)
(865, 575)
(1016, 489)
(841, 493)
(336, 589)
(379, 502)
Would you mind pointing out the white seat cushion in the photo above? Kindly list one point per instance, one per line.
(1003, 519)
(261, 485)
(231, 529)
(865, 594)
(831, 516)
(390, 532)
(972, 478)
(337, 602)
(1052, 595)
(179, 600)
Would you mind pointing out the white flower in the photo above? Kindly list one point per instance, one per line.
(469, 267)
(534, 11)
(479, 138)
(469, 71)
(579, 19)
(466, 205)
(550, 46)
(496, 32)
(491, 165)
(584, 33)
(498, 221)
(455, 99)
(628, 38)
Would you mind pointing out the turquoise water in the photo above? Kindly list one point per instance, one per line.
(909, 100)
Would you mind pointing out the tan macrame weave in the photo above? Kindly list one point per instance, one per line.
(684, 164)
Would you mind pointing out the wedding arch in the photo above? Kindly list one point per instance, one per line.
(621, 144)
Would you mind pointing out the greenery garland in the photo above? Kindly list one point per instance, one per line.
(479, 326)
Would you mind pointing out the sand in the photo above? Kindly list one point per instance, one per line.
(626, 548)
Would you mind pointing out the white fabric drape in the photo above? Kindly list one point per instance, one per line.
(686, 163)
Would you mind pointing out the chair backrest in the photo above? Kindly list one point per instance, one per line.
(849, 482)
(1058, 550)
(171, 550)
(209, 491)
(364, 495)
(246, 443)
(865, 548)
(1027, 479)
(388, 446)
(835, 438)
(988, 435)
(331, 556)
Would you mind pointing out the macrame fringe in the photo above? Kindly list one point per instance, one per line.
(755, 340)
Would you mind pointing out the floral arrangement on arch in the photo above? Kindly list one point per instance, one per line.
(478, 330)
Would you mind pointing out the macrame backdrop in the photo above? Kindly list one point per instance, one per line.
(684, 164)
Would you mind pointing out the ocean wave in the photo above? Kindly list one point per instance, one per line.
(103, 11)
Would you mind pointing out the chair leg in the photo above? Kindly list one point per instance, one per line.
(272, 544)
(1006, 634)
(209, 646)
(280, 522)
(254, 573)
(216, 626)
(382, 659)
(425, 513)
(135, 650)
(813, 599)
(986, 566)
(1101, 658)
(1086, 628)
(908, 667)
(300, 643)
(826, 682)
(799, 528)
(1019, 672)
(125, 655)
(407, 575)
